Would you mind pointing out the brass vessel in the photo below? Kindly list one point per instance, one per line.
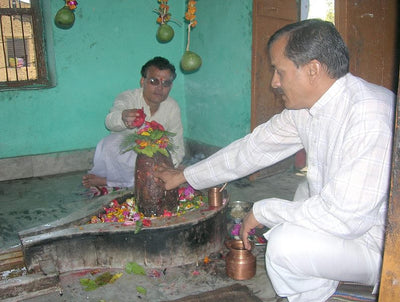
(240, 263)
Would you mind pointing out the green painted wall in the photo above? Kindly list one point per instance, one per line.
(101, 55)
(218, 98)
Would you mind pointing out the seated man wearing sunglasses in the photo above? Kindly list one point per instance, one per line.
(112, 168)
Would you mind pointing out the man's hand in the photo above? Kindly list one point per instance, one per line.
(172, 178)
(133, 118)
(249, 223)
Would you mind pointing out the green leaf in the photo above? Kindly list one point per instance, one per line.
(139, 225)
(147, 151)
(156, 134)
(134, 268)
(89, 284)
(103, 279)
(84, 281)
(141, 290)
(163, 152)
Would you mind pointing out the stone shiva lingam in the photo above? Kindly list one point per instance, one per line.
(152, 145)
(150, 226)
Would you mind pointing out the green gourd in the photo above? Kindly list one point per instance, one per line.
(64, 18)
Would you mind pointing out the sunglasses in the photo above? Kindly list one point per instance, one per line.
(156, 82)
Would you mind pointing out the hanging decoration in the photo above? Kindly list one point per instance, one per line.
(165, 33)
(65, 17)
(190, 61)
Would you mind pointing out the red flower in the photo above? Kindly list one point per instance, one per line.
(103, 191)
(167, 213)
(139, 120)
(156, 126)
(146, 222)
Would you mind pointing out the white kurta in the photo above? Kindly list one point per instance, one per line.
(347, 135)
(119, 167)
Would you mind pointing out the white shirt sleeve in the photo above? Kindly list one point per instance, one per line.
(269, 143)
(129, 99)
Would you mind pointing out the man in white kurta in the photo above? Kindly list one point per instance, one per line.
(347, 135)
(334, 230)
(112, 167)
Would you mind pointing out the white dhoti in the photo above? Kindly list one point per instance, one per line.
(306, 266)
(110, 162)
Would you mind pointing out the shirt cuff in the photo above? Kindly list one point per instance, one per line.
(258, 210)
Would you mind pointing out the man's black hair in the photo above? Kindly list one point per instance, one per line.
(315, 39)
(161, 64)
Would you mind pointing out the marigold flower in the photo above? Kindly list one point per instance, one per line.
(94, 219)
(190, 14)
(163, 14)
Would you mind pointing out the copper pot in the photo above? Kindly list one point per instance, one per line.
(215, 197)
(240, 263)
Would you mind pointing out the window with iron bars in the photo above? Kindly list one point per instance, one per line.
(22, 48)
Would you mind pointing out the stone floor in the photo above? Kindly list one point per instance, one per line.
(32, 202)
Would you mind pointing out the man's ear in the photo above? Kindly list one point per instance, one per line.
(314, 70)
(141, 81)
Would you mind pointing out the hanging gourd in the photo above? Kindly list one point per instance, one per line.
(165, 33)
(65, 17)
(190, 61)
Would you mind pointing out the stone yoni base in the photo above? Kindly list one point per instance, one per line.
(72, 244)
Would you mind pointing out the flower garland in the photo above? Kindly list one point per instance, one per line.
(190, 60)
(163, 15)
(190, 16)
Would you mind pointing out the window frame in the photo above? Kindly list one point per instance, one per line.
(43, 79)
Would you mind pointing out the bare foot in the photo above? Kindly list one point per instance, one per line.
(91, 180)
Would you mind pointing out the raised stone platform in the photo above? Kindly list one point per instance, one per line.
(73, 244)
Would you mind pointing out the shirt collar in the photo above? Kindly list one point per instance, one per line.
(330, 94)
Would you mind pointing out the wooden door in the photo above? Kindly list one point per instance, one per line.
(390, 279)
(370, 30)
(268, 17)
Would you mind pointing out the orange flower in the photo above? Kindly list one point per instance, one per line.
(189, 17)
(190, 13)
(163, 15)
